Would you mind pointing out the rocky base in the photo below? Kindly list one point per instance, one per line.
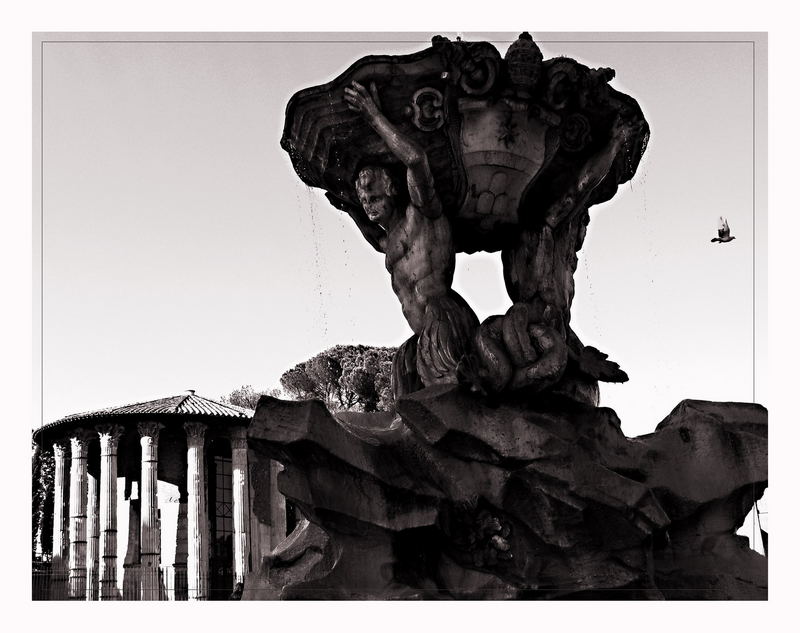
(454, 497)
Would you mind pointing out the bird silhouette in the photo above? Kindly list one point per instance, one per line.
(724, 232)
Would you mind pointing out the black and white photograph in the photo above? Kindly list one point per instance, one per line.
(389, 315)
(390, 356)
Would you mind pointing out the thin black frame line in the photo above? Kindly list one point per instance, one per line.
(41, 231)
(754, 221)
(425, 41)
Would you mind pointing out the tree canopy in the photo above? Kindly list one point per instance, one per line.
(247, 397)
(43, 475)
(345, 378)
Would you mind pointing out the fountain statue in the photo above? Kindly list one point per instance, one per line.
(498, 475)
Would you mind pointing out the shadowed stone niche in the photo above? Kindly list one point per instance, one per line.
(497, 476)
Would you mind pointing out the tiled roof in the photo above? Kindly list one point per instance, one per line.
(184, 404)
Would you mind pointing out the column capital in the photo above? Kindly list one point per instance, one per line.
(149, 430)
(112, 430)
(110, 435)
(195, 433)
(79, 441)
(60, 448)
(238, 437)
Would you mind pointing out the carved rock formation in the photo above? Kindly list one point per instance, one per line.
(454, 498)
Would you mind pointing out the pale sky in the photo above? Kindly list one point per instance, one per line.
(182, 251)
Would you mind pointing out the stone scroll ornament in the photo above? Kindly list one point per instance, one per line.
(456, 149)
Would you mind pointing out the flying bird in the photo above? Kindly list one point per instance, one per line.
(724, 232)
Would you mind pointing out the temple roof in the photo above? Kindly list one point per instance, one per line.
(187, 404)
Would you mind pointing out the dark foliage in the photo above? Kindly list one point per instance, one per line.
(345, 378)
(43, 472)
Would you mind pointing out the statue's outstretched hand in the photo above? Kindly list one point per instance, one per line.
(363, 101)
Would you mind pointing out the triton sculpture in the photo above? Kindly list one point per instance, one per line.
(498, 476)
(497, 154)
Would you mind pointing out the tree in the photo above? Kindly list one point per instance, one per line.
(345, 378)
(43, 475)
(247, 397)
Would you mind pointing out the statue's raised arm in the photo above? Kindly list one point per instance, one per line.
(420, 254)
(593, 172)
(418, 172)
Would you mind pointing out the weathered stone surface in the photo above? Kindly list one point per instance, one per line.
(302, 557)
(454, 498)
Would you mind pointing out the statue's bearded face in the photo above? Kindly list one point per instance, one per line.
(376, 193)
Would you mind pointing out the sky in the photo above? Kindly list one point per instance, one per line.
(178, 249)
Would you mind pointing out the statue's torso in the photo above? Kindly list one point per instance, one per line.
(421, 260)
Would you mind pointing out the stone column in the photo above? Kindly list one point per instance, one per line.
(197, 517)
(60, 536)
(241, 504)
(109, 440)
(182, 549)
(92, 538)
(150, 552)
(77, 515)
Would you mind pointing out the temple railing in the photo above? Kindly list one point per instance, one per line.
(51, 584)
